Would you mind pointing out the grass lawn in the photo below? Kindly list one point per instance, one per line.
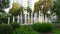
(57, 28)
(56, 31)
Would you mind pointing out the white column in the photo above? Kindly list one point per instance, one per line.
(25, 18)
(21, 18)
(8, 20)
(31, 17)
(39, 16)
(18, 19)
(13, 19)
(42, 17)
(40, 20)
(28, 17)
(34, 17)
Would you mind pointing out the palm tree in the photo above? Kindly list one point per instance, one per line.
(15, 10)
(46, 6)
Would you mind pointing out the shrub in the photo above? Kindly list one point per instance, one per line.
(27, 27)
(23, 30)
(37, 27)
(5, 29)
(44, 27)
(15, 25)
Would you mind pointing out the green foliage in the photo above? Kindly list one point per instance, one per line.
(27, 27)
(16, 12)
(37, 27)
(42, 27)
(29, 9)
(56, 9)
(37, 6)
(3, 17)
(4, 4)
(5, 29)
(15, 25)
(25, 30)
(56, 31)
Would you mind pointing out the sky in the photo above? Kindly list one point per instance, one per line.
(11, 1)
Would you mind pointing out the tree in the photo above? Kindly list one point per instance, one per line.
(29, 10)
(3, 16)
(4, 4)
(46, 6)
(21, 9)
(37, 6)
(15, 9)
(56, 9)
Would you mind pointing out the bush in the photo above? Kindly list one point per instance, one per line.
(5, 29)
(23, 30)
(27, 27)
(15, 25)
(44, 27)
(37, 27)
